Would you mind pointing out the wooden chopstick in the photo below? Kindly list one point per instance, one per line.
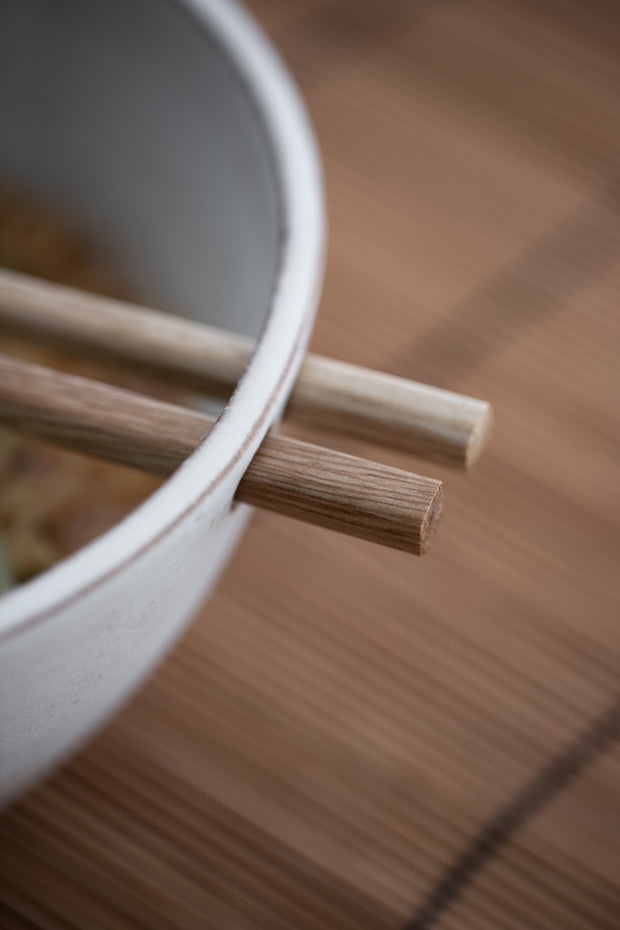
(336, 396)
(308, 482)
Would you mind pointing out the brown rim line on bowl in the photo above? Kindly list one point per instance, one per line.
(297, 479)
(332, 395)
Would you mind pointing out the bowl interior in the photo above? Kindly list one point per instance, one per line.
(169, 132)
(130, 121)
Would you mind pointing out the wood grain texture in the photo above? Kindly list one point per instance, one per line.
(340, 492)
(331, 395)
(347, 737)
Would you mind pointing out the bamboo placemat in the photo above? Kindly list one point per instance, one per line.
(348, 737)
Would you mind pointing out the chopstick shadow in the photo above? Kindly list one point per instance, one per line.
(596, 739)
(556, 267)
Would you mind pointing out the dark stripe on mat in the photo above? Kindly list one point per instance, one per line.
(545, 787)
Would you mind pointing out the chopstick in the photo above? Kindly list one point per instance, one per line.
(297, 479)
(439, 425)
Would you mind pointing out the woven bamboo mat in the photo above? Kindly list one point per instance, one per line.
(348, 737)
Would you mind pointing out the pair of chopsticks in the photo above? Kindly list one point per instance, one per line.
(310, 482)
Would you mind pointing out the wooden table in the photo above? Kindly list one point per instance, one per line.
(349, 737)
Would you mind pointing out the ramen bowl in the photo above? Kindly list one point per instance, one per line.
(170, 133)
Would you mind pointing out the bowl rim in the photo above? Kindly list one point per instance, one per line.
(263, 389)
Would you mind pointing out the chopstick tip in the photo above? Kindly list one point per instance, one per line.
(431, 519)
(479, 435)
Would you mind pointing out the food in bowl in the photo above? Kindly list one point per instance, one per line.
(53, 501)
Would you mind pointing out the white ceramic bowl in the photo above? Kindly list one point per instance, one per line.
(170, 131)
